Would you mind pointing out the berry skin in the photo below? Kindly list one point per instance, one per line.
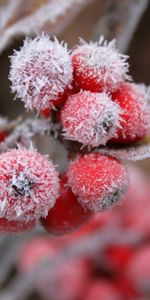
(67, 214)
(135, 125)
(90, 118)
(29, 185)
(41, 72)
(98, 181)
(99, 66)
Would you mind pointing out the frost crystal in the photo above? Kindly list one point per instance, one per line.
(101, 63)
(90, 118)
(28, 185)
(135, 153)
(40, 72)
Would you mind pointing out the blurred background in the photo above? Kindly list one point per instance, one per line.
(87, 265)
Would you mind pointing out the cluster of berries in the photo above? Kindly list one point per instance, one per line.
(89, 92)
(117, 269)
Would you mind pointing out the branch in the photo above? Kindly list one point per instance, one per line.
(120, 21)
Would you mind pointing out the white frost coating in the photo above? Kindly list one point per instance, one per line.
(93, 118)
(40, 72)
(136, 153)
(104, 61)
(29, 185)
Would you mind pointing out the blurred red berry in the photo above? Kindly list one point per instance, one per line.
(138, 269)
(101, 289)
(34, 252)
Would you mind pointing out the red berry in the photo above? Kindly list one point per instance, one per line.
(99, 66)
(98, 181)
(34, 252)
(3, 135)
(133, 99)
(41, 72)
(67, 214)
(101, 290)
(134, 212)
(70, 281)
(29, 185)
(116, 257)
(90, 118)
(138, 269)
(46, 112)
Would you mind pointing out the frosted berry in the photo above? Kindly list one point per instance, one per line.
(98, 181)
(29, 185)
(135, 124)
(90, 118)
(99, 66)
(41, 72)
(67, 214)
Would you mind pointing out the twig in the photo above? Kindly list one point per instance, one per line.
(120, 21)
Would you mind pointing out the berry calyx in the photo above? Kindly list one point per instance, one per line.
(41, 72)
(67, 214)
(90, 118)
(135, 125)
(98, 181)
(99, 66)
(29, 185)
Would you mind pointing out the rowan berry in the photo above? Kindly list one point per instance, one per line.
(99, 66)
(41, 72)
(102, 289)
(29, 185)
(90, 118)
(67, 214)
(135, 125)
(3, 135)
(138, 269)
(34, 252)
(98, 181)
